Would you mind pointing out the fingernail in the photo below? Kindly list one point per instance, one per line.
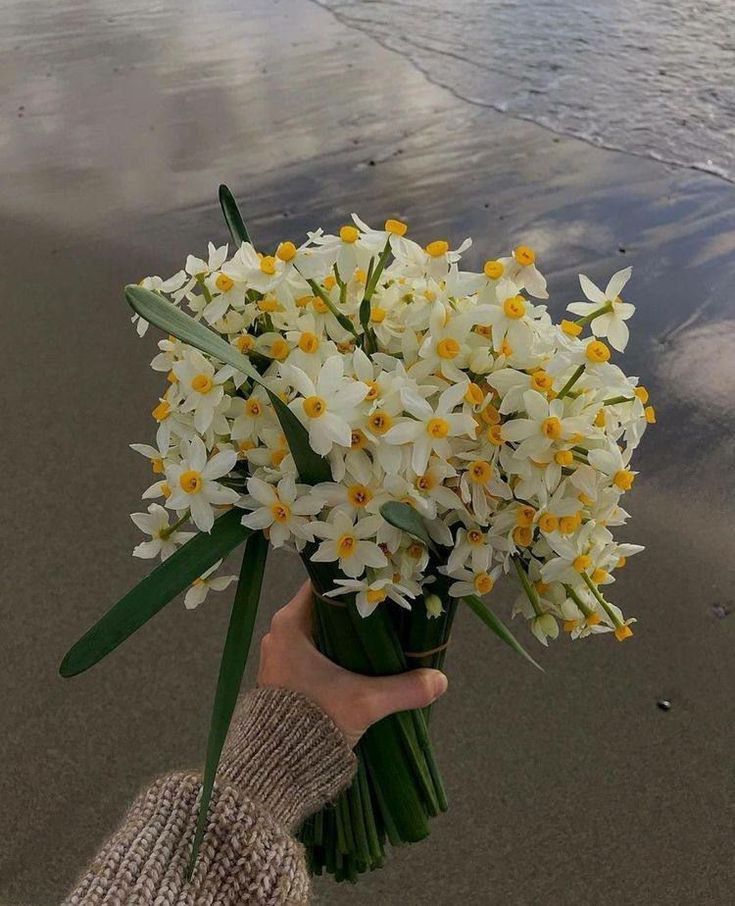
(440, 684)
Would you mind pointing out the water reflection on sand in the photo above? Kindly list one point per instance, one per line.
(114, 138)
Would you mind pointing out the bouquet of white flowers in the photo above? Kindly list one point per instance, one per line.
(411, 429)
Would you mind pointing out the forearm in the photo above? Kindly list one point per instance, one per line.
(284, 759)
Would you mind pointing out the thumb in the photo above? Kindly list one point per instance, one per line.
(404, 692)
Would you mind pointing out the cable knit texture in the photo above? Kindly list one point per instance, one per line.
(284, 759)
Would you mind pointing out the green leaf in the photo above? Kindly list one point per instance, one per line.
(158, 311)
(233, 218)
(404, 517)
(154, 592)
(232, 667)
(498, 627)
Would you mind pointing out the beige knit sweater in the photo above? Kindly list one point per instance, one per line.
(283, 760)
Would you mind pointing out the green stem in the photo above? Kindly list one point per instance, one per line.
(596, 592)
(530, 591)
(205, 292)
(343, 319)
(578, 601)
(167, 532)
(602, 310)
(373, 282)
(571, 382)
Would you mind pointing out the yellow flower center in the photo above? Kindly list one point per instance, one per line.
(524, 255)
(396, 227)
(448, 348)
(202, 383)
(279, 349)
(484, 330)
(570, 328)
(564, 458)
(522, 535)
(191, 481)
(480, 471)
(490, 415)
(359, 495)
(437, 248)
(157, 465)
(253, 407)
(379, 422)
(642, 394)
(224, 283)
(650, 414)
(525, 516)
(551, 428)
(437, 428)
(277, 457)
(373, 390)
(425, 482)
(493, 269)
(483, 583)
(286, 251)
(269, 304)
(623, 479)
(377, 314)
(315, 406)
(358, 441)
(475, 536)
(165, 490)
(495, 435)
(474, 395)
(245, 343)
(415, 550)
(596, 351)
(162, 411)
(569, 625)
(548, 523)
(514, 308)
(308, 342)
(623, 632)
(268, 265)
(349, 234)
(506, 349)
(569, 524)
(281, 512)
(346, 546)
(621, 562)
(599, 421)
(593, 619)
(599, 575)
(375, 595)
(171, 377)
(582, 562)
(329, 282)
(540, 380)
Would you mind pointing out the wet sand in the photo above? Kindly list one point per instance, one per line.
(571, 787)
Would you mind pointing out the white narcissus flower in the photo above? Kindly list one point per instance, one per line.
(201, 387)
(207, 582)
(347, 542)
(193, 483)
(473, 583)
(283, 510)
(164, 540)
(327, 407)
(545, 427)
(431, 429)
(369, 593)
(610, 324)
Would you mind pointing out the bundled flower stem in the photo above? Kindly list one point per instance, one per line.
(414, 431)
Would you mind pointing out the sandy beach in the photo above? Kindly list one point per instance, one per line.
(569, 787)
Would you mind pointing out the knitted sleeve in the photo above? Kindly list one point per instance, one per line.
(283, 760)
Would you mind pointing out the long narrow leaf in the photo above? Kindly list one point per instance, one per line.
(233, 218)
(404, 517)
(166, 316)
(232, 667)
(498, 627)
(154, 592)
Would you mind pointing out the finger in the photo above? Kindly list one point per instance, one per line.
(299, 610)
(403, 692)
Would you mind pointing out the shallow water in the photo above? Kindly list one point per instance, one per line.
(650, 77)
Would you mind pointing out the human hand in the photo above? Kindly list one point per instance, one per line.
(289, 659)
